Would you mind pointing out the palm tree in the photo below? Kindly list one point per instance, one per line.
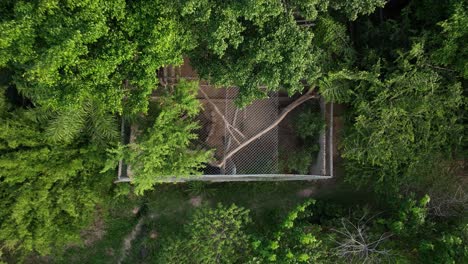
(67, 125)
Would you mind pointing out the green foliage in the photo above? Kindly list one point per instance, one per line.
(411, 216)
(213, 236)
(81, 62)
(334, 45)
(337, 86)
(356, 7)
(66, 53)
(277, 56)
(294, 242)
(401, 122)
(308, 123)
(48, 192)
(452, 49)
(19, 129)
(325, 232)
(165, 149)
(448, 246)
(53, 199)
(434, 240)
(300, 160)
(87, 120)
(259, 46)
(335, 91)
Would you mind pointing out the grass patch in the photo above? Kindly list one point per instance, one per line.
(118, 222)
(168, 208)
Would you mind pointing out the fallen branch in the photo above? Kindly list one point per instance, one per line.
(354, 242)
(307, 96)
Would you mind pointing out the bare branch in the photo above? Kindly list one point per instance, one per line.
(355, 243)
(307, 96)
(226, 122)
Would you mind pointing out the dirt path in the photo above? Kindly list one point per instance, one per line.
(127, 245)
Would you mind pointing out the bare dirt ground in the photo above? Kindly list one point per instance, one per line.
(307, 192)
(96, 231)
(196, 201)
(127, 245)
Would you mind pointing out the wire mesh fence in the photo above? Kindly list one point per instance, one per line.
(281, 150)
(286, 151)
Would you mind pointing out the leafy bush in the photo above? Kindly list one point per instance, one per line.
(299, 161)
(48, 191)
(308, 124)
(213, 236)
(165, 150)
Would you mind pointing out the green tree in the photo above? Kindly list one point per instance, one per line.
(405, 100)
(434, 240)
(260, 46)
(294, 242)
(451, 50)
(329, 232)
(166, 149)
(213, 236)
(62, 54)
(399, 123)
(48, 192)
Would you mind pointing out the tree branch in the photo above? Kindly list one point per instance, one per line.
(226, 122)
(307, 96)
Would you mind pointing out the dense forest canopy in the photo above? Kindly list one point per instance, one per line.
(320, 232)
(62, 53)
(407, 102)
(49, 189)
(69, 70)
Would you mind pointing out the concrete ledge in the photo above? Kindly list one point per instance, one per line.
(239, 178)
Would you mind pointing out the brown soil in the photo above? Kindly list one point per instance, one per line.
(95, 231)
(307, 192)
(127, 245)
(196, 201)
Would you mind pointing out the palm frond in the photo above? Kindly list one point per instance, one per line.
(66, 125)
(103, 127)
(334, 91)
